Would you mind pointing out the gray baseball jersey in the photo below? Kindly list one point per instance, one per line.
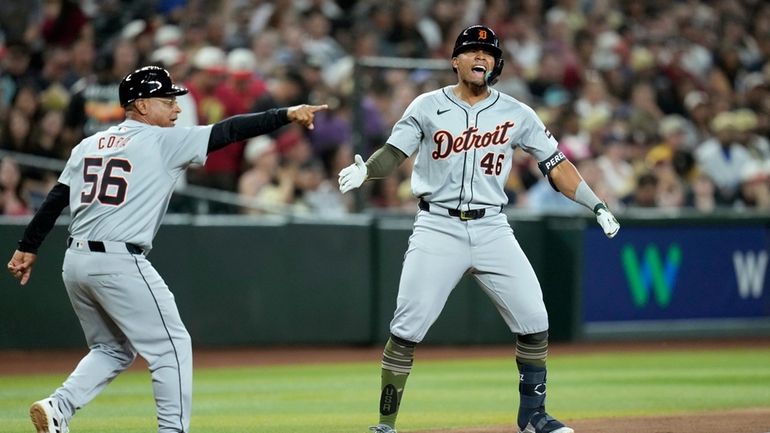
(464, 156)
(464, 153)
(120, 183)
(121, 180)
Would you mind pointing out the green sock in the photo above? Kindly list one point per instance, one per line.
(397, 360)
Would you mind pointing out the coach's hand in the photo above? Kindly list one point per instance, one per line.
(304, 114)
(20, 265)
(353, 175)
(607, 220)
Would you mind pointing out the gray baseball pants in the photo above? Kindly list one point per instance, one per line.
(125, 308)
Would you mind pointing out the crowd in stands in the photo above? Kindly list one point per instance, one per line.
(660, 104)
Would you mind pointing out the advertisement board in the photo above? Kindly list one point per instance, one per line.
(651, 274)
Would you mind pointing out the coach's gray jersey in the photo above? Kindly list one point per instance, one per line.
(464, 153)
(117, 176)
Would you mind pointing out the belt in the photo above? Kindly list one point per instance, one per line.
(464, 215)
(104, 247)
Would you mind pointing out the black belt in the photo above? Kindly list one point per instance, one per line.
(464, 215)
(98, 247)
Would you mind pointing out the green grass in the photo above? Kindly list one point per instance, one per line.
(342, 398)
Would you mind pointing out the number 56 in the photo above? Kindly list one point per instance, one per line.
(111, 196)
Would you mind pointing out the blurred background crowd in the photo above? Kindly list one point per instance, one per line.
(660, 103)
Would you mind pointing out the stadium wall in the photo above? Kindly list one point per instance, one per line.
(274, 281)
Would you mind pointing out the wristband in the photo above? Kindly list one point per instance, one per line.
(585, 196)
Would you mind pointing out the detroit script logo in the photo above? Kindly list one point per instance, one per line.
(446, 143)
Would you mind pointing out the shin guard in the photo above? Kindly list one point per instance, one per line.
(531, 392)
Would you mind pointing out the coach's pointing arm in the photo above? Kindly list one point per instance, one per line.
(243, 126)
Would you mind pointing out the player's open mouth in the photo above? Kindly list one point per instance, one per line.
(479, 70)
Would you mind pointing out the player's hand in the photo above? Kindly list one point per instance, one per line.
(353, 176)
(304, 114)
(607, 220)
(20, 265)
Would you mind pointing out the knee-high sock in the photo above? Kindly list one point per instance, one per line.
(397, 360)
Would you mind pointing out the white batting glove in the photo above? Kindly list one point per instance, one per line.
(607, 220)
(353, 176)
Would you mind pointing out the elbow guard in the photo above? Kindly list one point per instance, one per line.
(549, 164)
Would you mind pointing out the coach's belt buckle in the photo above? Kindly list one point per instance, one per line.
(465, 216)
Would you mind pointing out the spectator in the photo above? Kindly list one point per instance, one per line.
(405, 35)
(16, 131)
(263, 186)
(701, 195)
(64, 23)
(141, 34)
(26, 100)
(46, 135)
(20, 21)
(55, 75)
(754, 187)
(698, 109)
(293, 147)
(675, 133)
(223, 166)
(82, 58)
(613, 63)
(644, 112)
(95, 105)
(11, 201)
(722, 158)
(282, 89)
(746, 122)
(316, 193)
(594, 99)
(646, 192)
(242, 85)
(616, 171)
(671, 192)
(318, 40)
(264, 46)
(14, 68)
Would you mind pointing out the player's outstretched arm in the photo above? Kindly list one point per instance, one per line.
(565, 178)
(352, 176)
(378, 166)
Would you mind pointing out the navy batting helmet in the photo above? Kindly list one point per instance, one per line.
(147, 82)
(481, 37)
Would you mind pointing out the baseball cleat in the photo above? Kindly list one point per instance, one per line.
(544, 423)
(564, 429)
(382, 428)
(47, 417)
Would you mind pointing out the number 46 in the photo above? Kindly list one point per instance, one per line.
(491, 164)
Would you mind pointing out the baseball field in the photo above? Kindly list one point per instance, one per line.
(660, 387)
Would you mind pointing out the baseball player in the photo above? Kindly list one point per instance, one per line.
(117, 184)
(464, 136)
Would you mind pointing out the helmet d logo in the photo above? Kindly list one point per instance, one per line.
(483, 35)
